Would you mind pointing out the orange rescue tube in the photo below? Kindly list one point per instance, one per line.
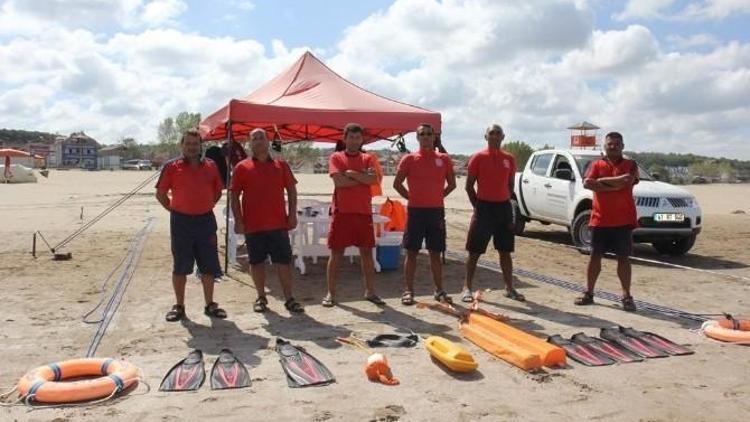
(724, 330)
(511, 344)
(44, 384)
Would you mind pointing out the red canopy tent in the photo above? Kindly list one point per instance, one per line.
(309, 101)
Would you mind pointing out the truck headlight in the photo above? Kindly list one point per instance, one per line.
(691, 202)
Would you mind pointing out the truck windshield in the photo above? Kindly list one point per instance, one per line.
(584, 162)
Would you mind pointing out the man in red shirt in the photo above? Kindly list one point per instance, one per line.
(613, 216)
(430, 177)
(259, 182)
(493, 170)
(195, 186)
(352, 172)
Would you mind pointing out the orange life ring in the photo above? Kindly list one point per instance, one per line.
(730, 331)
(44, 384)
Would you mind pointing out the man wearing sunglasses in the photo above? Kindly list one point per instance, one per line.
(493, 171)
(430, 177)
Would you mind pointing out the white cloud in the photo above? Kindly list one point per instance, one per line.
(715, 9)
(637, 9)
(697, 40)
(158, 12)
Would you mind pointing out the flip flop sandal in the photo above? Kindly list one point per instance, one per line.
(292, 305)
(328, 302)
(513, 294)
(467, 296)
(586, 299)
(443, 297)
(407, 298)
(176, 313)
(260, 305)
(212, 310)
(628, 304)
(375, 299)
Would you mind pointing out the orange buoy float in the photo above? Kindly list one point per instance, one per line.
(729, 330)
(377, 369)
(45, 383)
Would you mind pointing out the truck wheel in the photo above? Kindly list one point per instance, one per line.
(580, 232)
(519, 222)
(675, 247)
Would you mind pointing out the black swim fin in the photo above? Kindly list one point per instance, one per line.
(394, 340)
(634, 345)
(301, 368)
(228, 372)
(580, 353)
(187, 375)
(611, 350)
(656, 341)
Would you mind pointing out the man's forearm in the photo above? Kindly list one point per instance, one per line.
(362, 178)
(164, 200)
(236, 207)
(401, 189)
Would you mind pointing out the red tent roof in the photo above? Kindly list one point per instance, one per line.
(309, 101)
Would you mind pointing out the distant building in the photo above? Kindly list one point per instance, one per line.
(76, 151)
(110, 157)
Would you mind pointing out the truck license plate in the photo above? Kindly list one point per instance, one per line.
(669, 217)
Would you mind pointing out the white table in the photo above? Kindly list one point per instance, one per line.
(311, 230)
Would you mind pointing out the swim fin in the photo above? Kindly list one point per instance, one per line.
(656, 341)
(394, 340)
(301, 368)
(604, 347)
(187, 375)
(633, 345)
(228, 372)
(580, 353)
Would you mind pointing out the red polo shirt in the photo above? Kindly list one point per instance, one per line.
(493, 169)
(194, 187)
(262, 184)
(616, 208)
(354, 199)
(426, 172)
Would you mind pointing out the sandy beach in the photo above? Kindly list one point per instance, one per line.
(44, 301)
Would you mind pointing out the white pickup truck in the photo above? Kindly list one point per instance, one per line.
(550, 190)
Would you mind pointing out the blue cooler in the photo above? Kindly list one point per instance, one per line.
(389, 253)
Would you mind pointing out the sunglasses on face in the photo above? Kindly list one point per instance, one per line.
(425, 134)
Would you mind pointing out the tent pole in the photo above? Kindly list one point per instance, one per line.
(228, 159)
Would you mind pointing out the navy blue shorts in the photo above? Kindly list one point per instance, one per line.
(491, 220)
(274, 243)
(616, 240)
(425, 225)
(194, 241)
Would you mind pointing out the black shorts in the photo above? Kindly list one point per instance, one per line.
(491, 220)
(274, 243)
(425, 224)
(616, 240)
(194, 241)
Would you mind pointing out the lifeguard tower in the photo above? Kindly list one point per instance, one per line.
(583, 135)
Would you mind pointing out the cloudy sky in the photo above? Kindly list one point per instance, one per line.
(672, 76)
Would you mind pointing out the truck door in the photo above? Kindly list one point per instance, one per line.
(532, 181)
(560, 187)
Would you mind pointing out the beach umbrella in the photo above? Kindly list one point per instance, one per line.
(8, 153)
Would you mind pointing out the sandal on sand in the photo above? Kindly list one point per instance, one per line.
(443, 297)
(628, 304)
(467, 296)
(328, 302)
(586, 299)
(375, 299)
(260, 305)
(212, 310)
(292, 305)
(176, 313)
(513, 294)
(407, 298)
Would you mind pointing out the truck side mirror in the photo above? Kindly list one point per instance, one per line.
(564, 174)
(655, 176)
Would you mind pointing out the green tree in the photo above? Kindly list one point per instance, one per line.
(520, 150)
(171, 129)
(132, 150)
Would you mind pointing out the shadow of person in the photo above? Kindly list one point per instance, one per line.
(401, 322)
(225, 334)
(302, 327)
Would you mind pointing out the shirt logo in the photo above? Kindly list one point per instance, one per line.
(439, 162)
(506, 163)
